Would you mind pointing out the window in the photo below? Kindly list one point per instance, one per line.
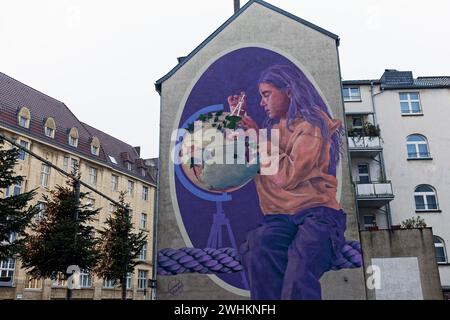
(144, 193)
(142, 279)
(49, 132)
(18, 188)
(9, 191)
(94, 150)
(12, 237)
(357, 122)
(352, 94)
(41, 206)
(129, 166)
(73, 166)
(114, 183)
(130, 188)
(439, 245)
(45, 175)
(143, 221)
(364, 173)
(417, 146)
(425, 198)
(410, 103)
(59, 281)
(85, 279)
(33, 283)
(129, 280)
(50, 127)
(73, 141)
(7, 268)
(113, 160)
(92, 175)
(369, 221)
(73, 137)
(24, 122)
(143, 172)
(66, 164)
(108, 283)
(143, 253)
(24, 117)
(95, 146)
(22, 153)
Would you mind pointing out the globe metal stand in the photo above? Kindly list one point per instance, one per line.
(215, 238)
(220, 220)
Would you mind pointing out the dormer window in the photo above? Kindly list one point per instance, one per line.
(50, 128)
(143, 172)
(23, 122)
(49, 132)
(24, 117)
(73, 137)
(73, 141)
(95, 146)
(129, 166)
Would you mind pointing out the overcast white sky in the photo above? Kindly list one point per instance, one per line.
(102, 57)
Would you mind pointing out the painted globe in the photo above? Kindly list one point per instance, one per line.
(218, 158)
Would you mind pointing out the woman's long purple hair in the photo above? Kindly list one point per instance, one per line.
(306, 102)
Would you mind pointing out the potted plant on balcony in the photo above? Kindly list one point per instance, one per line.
(414, 223)
(371, 131)
(368, 130)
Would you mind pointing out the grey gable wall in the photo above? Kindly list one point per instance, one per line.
(258, 25)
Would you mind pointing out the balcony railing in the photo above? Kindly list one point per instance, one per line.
(375, 189)
(375, 194)
(364, 142)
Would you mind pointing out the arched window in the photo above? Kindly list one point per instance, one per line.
(441, 253)
(50, 127)
(24, 117)
(417, 147)
(73, 137)
(95, 146)
(425, 198)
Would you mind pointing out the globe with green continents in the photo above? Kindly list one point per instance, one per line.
(220, 157)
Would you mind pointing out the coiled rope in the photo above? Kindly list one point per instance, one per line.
(227, 260)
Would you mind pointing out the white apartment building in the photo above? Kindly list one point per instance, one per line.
(402, 170)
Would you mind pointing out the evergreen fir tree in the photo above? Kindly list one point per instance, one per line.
(119, 247)
(63, 237)
(15, 214)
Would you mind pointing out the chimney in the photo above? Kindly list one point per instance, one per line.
(237, 5)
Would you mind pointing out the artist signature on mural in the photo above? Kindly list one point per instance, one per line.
(175, 287)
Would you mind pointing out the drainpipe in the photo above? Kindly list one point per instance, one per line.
(153, 280)
(373, 95)
(383, 167)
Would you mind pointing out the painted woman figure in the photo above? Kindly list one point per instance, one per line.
(303, 229)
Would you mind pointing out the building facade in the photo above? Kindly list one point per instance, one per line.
(399, 153)
(49, 129)
(230, 61)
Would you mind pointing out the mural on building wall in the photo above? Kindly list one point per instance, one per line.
(255, 180)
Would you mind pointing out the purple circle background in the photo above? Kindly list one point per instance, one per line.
(234, 72)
